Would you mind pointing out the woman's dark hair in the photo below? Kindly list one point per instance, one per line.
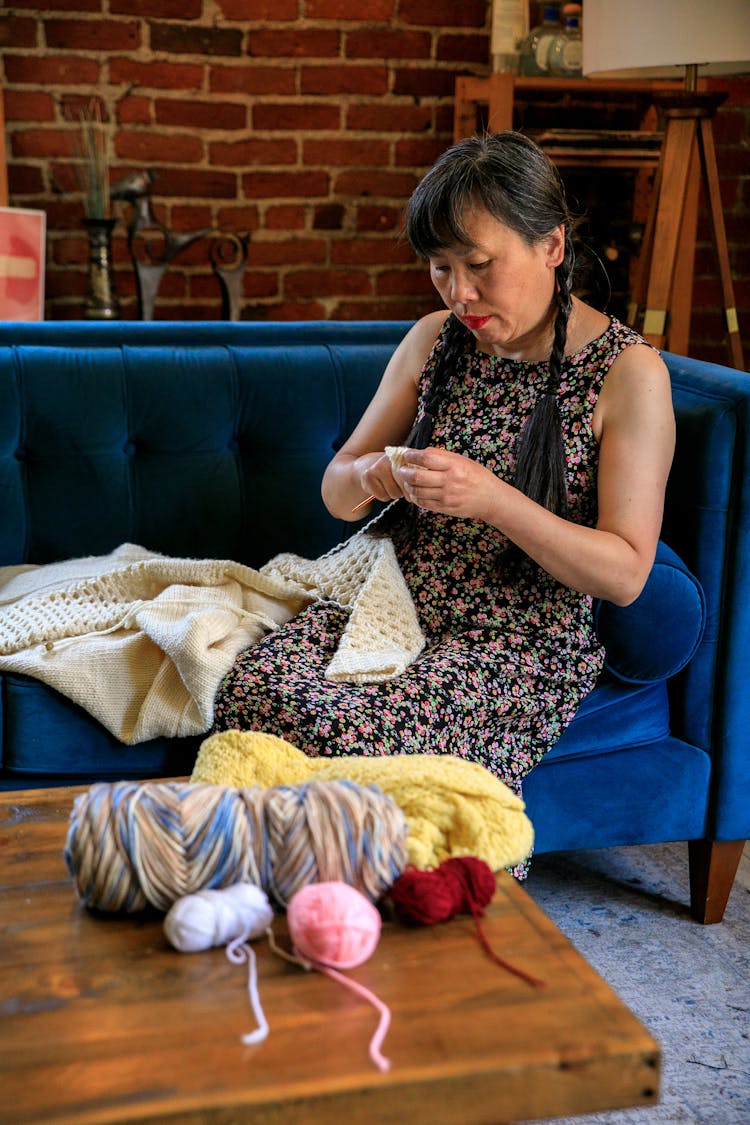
(511, 178)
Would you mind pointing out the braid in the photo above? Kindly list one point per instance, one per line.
(510, 177)
(455, 335)
(540, 462)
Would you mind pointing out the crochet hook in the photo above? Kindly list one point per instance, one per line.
(363, 503)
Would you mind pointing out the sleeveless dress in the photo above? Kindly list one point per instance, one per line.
(510, 651)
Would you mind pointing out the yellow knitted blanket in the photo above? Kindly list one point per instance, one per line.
(452, 807)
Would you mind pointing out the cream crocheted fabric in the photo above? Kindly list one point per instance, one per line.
(142, 641)
(395, 454)
(382, 636)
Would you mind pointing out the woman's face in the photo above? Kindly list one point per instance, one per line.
(499, 286)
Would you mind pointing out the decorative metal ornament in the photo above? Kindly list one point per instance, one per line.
(153, 246)
(135, 189)
(228, 254)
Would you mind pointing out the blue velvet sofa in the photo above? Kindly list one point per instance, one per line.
(209, 440)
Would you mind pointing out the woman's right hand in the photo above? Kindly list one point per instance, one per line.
(376, 476)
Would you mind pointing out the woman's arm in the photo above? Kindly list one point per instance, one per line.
(360, 468)
(634, 423)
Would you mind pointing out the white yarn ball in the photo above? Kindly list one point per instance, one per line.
(216, 917)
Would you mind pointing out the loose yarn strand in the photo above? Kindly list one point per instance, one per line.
(381, 1062)
(333, 926)
(501, 961)
(238, 951)
(232, 916)
(292, 958)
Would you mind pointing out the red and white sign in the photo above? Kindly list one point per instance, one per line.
(22, 238)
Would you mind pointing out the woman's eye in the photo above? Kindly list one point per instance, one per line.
(479, 265)
(439, 269)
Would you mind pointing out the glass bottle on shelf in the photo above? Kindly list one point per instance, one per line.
(536, 46)
(510, 23)
(566, 51)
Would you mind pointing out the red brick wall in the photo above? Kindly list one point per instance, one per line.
(301, 122)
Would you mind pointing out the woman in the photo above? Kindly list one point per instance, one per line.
(541, 435)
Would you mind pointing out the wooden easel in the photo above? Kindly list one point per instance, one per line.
(664, 277)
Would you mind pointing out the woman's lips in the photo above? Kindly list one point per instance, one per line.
(475, 322)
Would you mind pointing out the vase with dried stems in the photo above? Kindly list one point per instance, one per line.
(101, 300)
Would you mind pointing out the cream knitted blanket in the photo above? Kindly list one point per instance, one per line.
(142, 641)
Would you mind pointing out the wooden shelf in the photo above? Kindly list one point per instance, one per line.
(606, 148)
(498, 92)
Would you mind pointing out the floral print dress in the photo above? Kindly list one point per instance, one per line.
(510, 652)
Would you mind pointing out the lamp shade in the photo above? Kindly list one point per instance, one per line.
(649, 38)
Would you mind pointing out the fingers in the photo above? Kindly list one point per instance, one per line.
(428, 467)
(424, 487)
(421, 475)
(438, 480)
(379, 480)
(430, 458)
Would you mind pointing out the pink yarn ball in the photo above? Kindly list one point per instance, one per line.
(333, 924)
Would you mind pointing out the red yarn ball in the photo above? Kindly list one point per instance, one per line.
(463, 885)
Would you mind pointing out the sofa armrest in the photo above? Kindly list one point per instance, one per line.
(707, 520)
(659, 633)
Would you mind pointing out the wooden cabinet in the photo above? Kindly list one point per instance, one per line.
(661, 286)
(504, 101)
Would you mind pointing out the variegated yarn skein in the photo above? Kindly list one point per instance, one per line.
(133, 845)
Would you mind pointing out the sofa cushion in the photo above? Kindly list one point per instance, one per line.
(615, 716)
(657, 634)
(638, 795)
(48, 737)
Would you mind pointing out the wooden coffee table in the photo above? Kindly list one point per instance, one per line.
(101, 1021)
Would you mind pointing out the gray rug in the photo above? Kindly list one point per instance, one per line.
(625, 910)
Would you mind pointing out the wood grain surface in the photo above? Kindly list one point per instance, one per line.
(102, 1021)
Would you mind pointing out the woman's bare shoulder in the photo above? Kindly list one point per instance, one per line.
(412, 353)
(636, 392)
(424, 332)
(638, 365)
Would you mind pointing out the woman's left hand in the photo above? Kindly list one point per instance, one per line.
(446, 482)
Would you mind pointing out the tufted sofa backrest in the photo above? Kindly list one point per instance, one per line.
(207, 440)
